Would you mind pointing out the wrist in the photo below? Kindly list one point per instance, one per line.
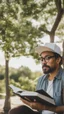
(50, 108)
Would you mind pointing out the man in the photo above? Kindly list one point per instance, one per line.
(52, 82)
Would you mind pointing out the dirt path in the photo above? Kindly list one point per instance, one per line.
(15, 101)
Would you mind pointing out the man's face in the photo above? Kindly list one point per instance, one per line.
(49, 62)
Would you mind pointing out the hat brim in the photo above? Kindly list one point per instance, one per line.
(41, 49)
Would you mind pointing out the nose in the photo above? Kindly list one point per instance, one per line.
(43, 62)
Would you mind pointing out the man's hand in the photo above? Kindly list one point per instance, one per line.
(39, 107)
(34, 105)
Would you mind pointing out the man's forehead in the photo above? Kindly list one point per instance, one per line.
(47, 52)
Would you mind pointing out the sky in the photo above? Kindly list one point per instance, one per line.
(21, 61)
(24, 61)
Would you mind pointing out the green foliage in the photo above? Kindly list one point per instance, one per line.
(17, 33)
(2, 72)
(21, 72)
(22, 77)
(1, 76)
(2, 89)
(60, 32)
(26, 83)
(45, 12)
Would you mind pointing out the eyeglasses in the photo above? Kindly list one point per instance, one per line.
(46, 59)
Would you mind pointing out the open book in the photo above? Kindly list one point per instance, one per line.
(39, 96)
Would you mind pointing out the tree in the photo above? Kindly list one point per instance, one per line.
(48, 13)
(19, 35)
(17, 38)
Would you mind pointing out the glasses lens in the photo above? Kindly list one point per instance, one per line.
(47, 58)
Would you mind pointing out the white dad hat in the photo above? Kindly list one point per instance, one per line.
(52, 47)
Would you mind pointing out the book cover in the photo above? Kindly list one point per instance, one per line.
(39, 96)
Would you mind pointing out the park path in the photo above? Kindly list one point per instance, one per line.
(15, 101)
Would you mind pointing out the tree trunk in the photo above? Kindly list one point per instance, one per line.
(7, 105)
(52, 37)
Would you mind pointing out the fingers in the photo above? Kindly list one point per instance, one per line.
(33, 105)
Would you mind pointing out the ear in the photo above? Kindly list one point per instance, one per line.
(58, 60)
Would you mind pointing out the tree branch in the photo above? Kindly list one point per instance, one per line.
(58, 19)
(46, 31)
(58, 4)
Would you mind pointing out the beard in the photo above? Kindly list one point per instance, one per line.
(47, 69)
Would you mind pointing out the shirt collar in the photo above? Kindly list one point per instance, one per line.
(58, 76)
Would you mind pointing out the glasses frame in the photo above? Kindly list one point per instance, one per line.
(46, 59)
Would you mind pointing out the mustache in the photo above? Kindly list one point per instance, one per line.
(45, 66)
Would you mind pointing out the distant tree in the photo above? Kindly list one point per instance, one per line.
(2, 72)
(1, 76)
(25, 71)
(24, 78)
